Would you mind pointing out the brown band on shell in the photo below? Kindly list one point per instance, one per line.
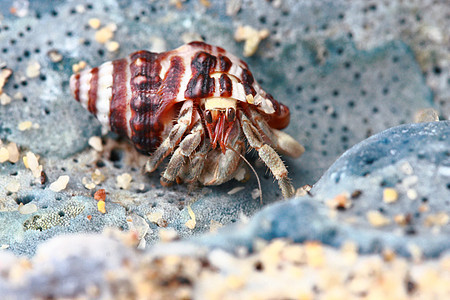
(224, 63)
(247, 82)
(92, 94)
(146, 129)
(172, 81)
(226, 86)
(201, 84)
(201, 45)
(117, 117)
(76, 90)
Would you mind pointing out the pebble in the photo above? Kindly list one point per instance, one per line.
(33, 69)
(4, 154)
(112, 46)
(55, 56)
(31, 162)
(105, 33)
(390, 195)
(60, 184)
(5, 99)
(100, 195)
(25, 125)
(252, 38)
(27, 209)
(123, 181)
(191, 223)
(101, 207)
(79, 66)
(94, 23)
(96, 143)
(4, 75)
(235, 190)
(377, 219)
(13, 151)
(233, 7)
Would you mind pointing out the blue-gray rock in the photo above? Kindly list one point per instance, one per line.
(413, 160)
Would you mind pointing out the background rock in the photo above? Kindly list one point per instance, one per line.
(346, 69)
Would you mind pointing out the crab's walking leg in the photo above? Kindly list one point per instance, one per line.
(185, 149)
(174, 137)
(221, 167)
(194, 166)
(283, 142)
(269, 156)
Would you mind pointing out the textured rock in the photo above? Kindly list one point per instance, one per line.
(412, 160)
(342, 80)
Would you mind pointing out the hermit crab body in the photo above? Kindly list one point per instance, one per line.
(196, 102)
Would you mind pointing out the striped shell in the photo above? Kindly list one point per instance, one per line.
(139, 96)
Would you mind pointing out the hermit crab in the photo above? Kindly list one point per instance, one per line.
(197, 103)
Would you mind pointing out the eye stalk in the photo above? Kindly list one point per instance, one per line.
(208, 117)
(231, 114)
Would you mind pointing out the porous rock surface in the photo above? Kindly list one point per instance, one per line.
(346, 69)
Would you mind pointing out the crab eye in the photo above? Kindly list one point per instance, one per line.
(208, 117)
(231, 114)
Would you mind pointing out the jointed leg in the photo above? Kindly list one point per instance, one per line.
(192, 169)
(174, 137)
(185, 149)
(269, 156)
(283, 142)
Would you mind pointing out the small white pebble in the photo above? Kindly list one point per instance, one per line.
(155, 216)
(94, 23)
(190, 224)
(104, 34)
(112, 46)
(5, 99)
(80, 8)
(88, 183)
(256, 193)
(31, 162)
(60, 184)
(124, 181)
(13, 151)
(412, 194)
(233, 7)
(96, 143)
(27, 209)
(235, 190)
(4, 154)
(97, 177)
(33, 69)
(252, 38)
(25, 125)
(79, 66)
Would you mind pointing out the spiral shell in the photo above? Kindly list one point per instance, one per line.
(138, 96)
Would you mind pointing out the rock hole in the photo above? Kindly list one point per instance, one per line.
(116, 155)
(25, 199)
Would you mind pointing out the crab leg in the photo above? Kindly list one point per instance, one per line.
(174, 137)
(192, 169)
(185, 149)
(283, 142)
(269, 156)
